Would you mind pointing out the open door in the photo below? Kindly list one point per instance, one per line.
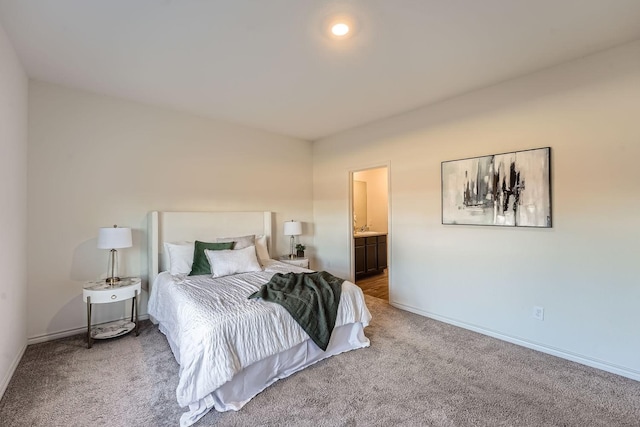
(370, 232)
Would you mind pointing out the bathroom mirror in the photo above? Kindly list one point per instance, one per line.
(359, 204)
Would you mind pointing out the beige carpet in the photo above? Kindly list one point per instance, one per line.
(417, 372)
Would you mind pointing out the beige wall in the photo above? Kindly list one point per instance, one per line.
(96, 161)
(13, 210)
(584, 271)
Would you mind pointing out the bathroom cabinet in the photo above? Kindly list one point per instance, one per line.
(370, 254)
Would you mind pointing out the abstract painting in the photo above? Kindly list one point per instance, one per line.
(508, 189)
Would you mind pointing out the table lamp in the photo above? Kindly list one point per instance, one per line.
(292, 228)
(114, 238)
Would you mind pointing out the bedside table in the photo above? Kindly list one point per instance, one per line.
(100, 292)
(298, 262)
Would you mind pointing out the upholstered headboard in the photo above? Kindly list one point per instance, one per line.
(206, 226)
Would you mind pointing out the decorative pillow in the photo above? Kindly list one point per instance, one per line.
(261, 248)
(200, 261)
(224, 263)
(241, 242)
(179, 257)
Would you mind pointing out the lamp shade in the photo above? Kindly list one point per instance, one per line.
(114, 238)
(292, 228)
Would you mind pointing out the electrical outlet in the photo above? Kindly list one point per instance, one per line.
(538, 313)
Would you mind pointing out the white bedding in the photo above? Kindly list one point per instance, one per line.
(215, 331)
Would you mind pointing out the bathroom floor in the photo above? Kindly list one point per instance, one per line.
(375, 286)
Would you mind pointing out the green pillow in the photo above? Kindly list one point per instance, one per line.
(200, 262)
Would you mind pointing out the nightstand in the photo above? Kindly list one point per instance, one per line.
(298, 262)
(100, 292)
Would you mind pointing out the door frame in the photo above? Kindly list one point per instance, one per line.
(352, 264)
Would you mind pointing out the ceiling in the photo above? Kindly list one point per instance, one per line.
(270, 64)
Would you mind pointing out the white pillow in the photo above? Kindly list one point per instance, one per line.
(241, 242)
(179, 256)
(261, 248)
(260, 241)
(226, 262)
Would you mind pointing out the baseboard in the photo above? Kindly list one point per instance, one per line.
(69, 332)
(574, 357)
(12, 369)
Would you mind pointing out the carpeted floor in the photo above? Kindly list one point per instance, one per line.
(417, 372)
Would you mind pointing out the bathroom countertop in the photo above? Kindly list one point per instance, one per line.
(368, 233)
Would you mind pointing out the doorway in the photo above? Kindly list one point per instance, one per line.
(370, 233)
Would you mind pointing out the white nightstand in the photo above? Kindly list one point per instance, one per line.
(298, 262)
(100, 292)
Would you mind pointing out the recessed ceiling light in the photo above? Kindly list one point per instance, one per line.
(340, 29)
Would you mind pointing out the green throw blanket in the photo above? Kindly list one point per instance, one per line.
(311, 298)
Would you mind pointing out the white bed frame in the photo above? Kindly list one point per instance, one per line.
(191, 226)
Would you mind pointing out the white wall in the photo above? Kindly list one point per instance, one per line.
(583, 271)
(96, 161)
(13, 210)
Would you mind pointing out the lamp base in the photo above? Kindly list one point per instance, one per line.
(291, 254)
(112, 280)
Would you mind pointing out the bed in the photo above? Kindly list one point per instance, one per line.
(230, 348)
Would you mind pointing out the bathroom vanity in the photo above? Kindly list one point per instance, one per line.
(370, 253)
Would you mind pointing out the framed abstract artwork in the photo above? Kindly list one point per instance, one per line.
(508, 189)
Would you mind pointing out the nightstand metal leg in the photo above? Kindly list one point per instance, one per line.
(137, 306)
(88, 322)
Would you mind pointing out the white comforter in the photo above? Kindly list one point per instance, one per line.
(215, 331)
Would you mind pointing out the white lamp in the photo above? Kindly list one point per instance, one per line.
(114, 238)
(292, 228)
